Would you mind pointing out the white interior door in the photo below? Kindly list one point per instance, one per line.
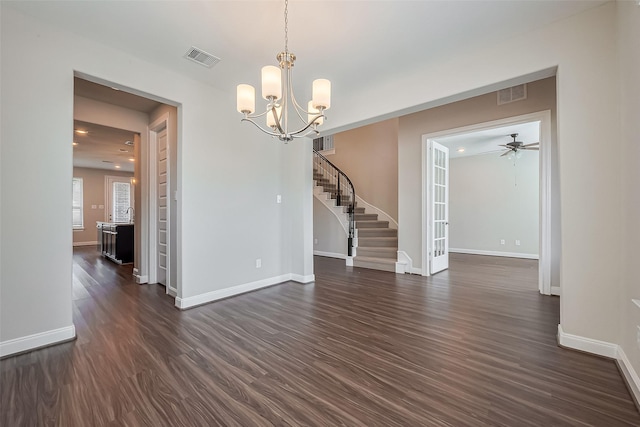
(162, 180)
(439, 169)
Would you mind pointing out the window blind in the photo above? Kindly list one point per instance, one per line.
(78, 217)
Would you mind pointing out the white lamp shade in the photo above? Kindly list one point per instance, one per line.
(321, 94)
(271, 121)
(246, 99)
(271, 82)
(313, 112)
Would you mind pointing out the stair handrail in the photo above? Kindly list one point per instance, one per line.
(345, 191)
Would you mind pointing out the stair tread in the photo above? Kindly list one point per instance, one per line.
(374, 259)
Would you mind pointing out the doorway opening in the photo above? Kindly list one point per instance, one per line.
(131, 148)
(490, 238)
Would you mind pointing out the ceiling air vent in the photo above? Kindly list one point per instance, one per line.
(512, 94)
(201, 57)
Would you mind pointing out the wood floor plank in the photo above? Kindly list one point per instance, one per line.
(472, 346)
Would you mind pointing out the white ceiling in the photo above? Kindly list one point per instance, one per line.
(355, 44)
(102, 147)
(488, 141)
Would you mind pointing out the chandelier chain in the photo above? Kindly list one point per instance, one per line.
(286, 25)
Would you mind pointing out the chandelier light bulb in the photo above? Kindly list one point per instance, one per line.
(271, 82)
(246, 99)
(321, 94)
(271, 121)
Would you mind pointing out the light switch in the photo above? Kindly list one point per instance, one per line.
(94, 206)
(278, 198)
(100, 206)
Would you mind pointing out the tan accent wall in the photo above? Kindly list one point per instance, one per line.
(369, 157)
(93, 189)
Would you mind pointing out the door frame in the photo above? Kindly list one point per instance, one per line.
(544, 117)
(157, 126)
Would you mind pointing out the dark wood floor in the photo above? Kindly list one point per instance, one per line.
(472, 346)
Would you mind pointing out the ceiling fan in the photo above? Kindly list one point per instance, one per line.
(514, 146)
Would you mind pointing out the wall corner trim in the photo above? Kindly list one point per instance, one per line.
(36, 341)
(589, 345)
(606, 349)
(200, 299)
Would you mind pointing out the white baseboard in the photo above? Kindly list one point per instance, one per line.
(85, 243)
(184, 303)
(589, 345)
(141, 280)
(555, 290)
(606, 349)
(35, 341)
(630, 375)
(303, 279)
(330, 254)
(493, 253)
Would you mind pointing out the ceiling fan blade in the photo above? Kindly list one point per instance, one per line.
(503, 145)
(507, 152)
(530, 148)
(530, 145)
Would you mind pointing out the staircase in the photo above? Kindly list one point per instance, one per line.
(376, 243)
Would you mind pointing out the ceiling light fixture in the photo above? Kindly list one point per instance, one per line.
(277, 88)
(132, 159)
(81, 132)
(461, 150)
(117, 166)
(74, 143)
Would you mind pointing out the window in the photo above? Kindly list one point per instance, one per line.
(78, 214)
(121, 202)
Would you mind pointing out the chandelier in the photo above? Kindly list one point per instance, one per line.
(277, 90)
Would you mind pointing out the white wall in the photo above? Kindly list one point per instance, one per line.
(226, 187)
(491, 199)
(629, 54)
(328, 232)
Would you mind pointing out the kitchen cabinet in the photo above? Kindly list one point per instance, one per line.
(116, 241)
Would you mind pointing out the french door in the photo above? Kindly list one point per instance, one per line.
(439, 189)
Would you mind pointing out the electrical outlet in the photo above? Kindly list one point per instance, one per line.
(315, 241)
(502, 241)
(258, 262)
(278, 198)
(517, 242)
